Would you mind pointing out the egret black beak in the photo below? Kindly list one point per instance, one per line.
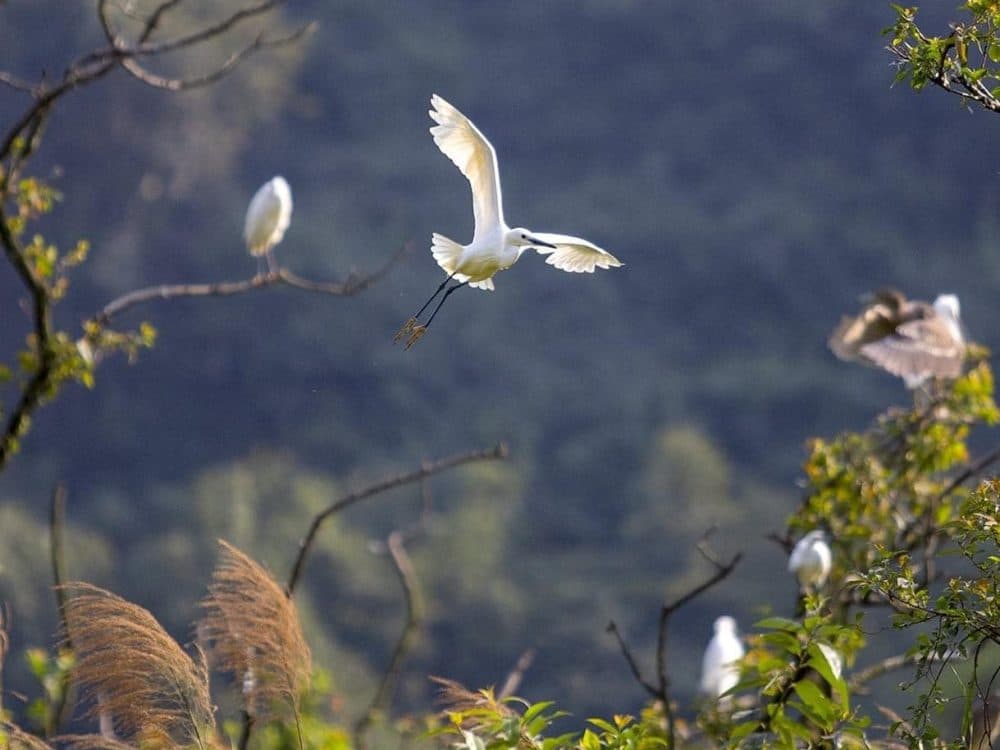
(540, 243)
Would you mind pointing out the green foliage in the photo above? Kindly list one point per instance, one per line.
(52, 672)
(481, 721)
(889, 487)
(967, 58)
(798, 669)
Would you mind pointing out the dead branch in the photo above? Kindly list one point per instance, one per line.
(497, 452)
(407, 576)
(280, 276)
(661, 690)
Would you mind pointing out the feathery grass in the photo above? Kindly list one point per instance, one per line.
(128, 666)
(12, 737)
(251, 629)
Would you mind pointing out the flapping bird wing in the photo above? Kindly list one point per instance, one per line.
(468, 148)
(917, 350)
(574, 254)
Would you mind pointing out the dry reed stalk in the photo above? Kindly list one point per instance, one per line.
(251, 629)
(12, 737)
(131, 668)
(91, 742)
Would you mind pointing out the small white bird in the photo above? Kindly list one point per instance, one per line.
(495, 246)
(268, 217)
(811, 560)
(720, 670)
(909, 338)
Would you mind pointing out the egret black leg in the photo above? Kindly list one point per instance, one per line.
(449, 291)
(436, 293)
(412, 324)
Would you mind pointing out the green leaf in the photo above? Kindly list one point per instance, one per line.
(779, 623)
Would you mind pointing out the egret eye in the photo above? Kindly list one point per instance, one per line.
(524, 236)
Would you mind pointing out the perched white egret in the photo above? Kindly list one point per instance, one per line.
(495, 246)
(720, 672)
(811, 560)
(268, 217)
(912, 339)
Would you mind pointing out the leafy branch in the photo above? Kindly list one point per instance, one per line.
(965, 63)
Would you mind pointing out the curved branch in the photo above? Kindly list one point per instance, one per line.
(661, 691)
(407, 575)
(497, 452)
(136, 70)
(228, 288)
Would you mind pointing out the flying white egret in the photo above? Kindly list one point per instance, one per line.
(268, 217)
(908, 338)
(811, 560)
(720, 671)
(495, 246)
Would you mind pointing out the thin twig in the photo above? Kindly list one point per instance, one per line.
(630, 660)
(977, 468)
(498, 452)
(133, 68)
(661, 691)
(722, 570)
(17, 84)
(57, 547)
(403, 566)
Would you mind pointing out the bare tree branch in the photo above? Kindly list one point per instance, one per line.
(403, 566)
(497, 452)
(633, 666)
(661, 691)
(281, 276)
(136, 70)
(16, 83)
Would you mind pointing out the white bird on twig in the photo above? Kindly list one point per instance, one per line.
(811, 560)
(268, 217)
(495, 246)
(720, 670)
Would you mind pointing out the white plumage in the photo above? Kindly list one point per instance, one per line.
(495, 246)
(268, 216)
(811, 560)
(720, 672)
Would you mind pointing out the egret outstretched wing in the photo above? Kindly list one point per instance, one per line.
(574, 254)
(919, 349)
(468, 148)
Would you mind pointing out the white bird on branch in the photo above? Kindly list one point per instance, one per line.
(811, 560)
(720, 671)
(495, 246)
(268, 217)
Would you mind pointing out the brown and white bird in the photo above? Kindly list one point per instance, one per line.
(912, 339)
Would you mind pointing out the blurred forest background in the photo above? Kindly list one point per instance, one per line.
(751, 164)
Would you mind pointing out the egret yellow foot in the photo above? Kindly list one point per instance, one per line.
(415, 336)
(405, 330)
